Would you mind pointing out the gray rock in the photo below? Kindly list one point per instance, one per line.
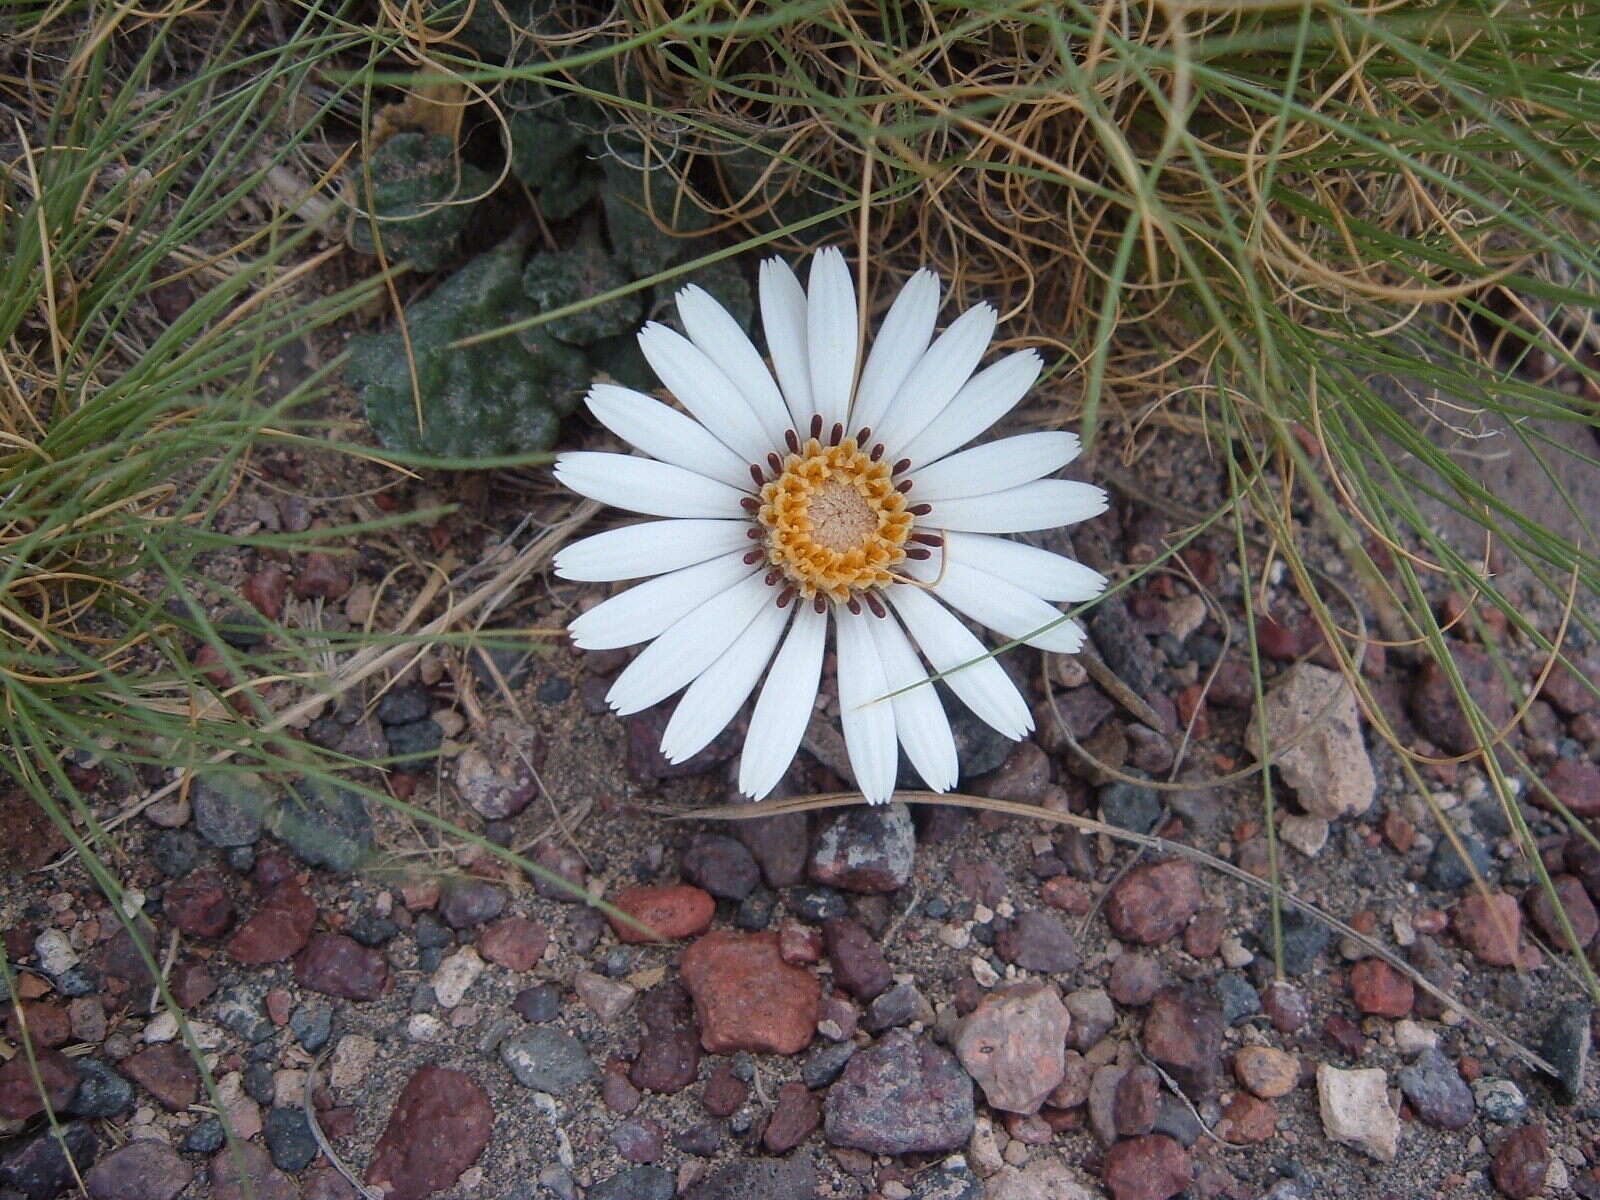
(792, 1178)
(469, 902)
(39, 1168)
(325, 824)
(638, 1183)
(825, 1064)
(1565, 1046)
(547, 1060)
(101, 1091)
(1304, 938)
(1500, 1100)
(1130, 806)
(1448, 873)
(230, 809)
(289, 1138)
(1239, 999)
(865, 849)
(950, 1180)
(312, 1026)
(1436, 1090)
(902, 1096)
(416, 740)
(1327, 765)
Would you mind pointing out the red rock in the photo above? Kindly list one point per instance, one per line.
(514, 942)
(439, 1127)
(1247, 1119)
(747, 997)
(724, 1093)
(1521, 1162)
(48, 1025)
(339, 966)
(800, 945)
(669, 1053)
(266, 590)
(1579, 908)
(1565, 689)
(191, 984)
(266, 1182)
(321, 576)
(1576, 784)
(280, 1002)
(1014, 1045)
(140, 1170)
(1153, 1167)
(1380, 990)
(279, 929)
(1183, 1034)
(199, 904)
(1066, 893)
(1402, 834)
(167, 1072)
(1136, 1101)
(19, 1095)
(1134, 979)
(1152, 904)
(1203, 937)
(1285, 643)
(859, 966)
(798, 1112)
(672, 911)
(1490, 928)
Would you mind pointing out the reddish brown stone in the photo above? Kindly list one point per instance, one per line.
(724, 1092)
(1152, 904)
(265, 1181)
(669, 1054)
(1490, 928)
(1203, 937)
(338, 966)
(1247, 1119)
(191, 984)
(858, 964)
(1136, 1101)
(1381, 990)
(279, 929)
(1576, 783)
(199, 904)
(800, 945)
(47, 1025)
(439, 1127)
(266, 590)
(1521, 1162)
(1066, 893)
(1153, 1167)
(322, 576)
(1183, 1034)
(798, 1112)
(514, 942)
(19, 1095)
(167, 1072)
(747, 997)
(1402, 834)
(1579, 909)
(670, 912)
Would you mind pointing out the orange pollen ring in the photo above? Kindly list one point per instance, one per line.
(834, 522)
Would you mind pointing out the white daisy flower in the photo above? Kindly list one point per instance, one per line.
(826, 498)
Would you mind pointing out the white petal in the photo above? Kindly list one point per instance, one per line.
(868, 719)
(919, 717)
(987, 396)
(705, 391)
(937, 377)
(1048, 576)
(1007, 609)
(642, 612)
(649, 548)
(693, 643)
(783, 319)
(831, 336)
(981, 683)
(901, 340)
(665, 433)
(784, 707)
(714, 698)
(644, 485)
(1042, 504)
(713, 329)
(994, 466)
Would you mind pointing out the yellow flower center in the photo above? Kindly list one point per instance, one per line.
(834, 521)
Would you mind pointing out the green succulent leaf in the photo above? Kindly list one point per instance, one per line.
(414, 178)
(565, 277)
(636, 239)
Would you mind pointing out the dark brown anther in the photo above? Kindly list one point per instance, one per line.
(819, 603)
(903, 486)
(918, 553)
(854, 605)
(861, 438)
(750, 504)
(920, 510)
(877, 453)
(785, 596)
(792, 440)
(775, 463)
(754, 531)
(752, 557)
(928, 539)
(836, 435)
(901, 467)
(773, 576)
(816, 425)
(876, 605)
(755, 473)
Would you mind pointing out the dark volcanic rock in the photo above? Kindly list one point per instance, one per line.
(901, 1096)
(439, 1127)
(339, 966)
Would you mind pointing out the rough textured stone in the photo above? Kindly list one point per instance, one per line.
(278, 930)
(1355, 1110)
(547, 1060)
(1183, 1034)
(747, 997)
(1576, 783)
(1436, 1091)
(1327, 766)
(669, 1054)
(722, 866)
(38, 1169)
(199, 904)
(168, 1073)
(865, 849)
(1266, 1071)
(793, 1178)
(1579, 909)
(1248, 1119)
(1152, 904)
(797, 1113)
(901, 1096)
(514, 942)
(669, 912)
(139, 1171)
(1380, 990)
(439, 1127)
(339, 966)
(467, 903)
(1491, 928)
(1565, 1045)
(858, 964)
(1014, 1045)
(1046, 1178)
(266, 1182)
(1038, 941)
(1153, 1167)
(1092, 1014)
(778, 845)
(1521, 1163)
